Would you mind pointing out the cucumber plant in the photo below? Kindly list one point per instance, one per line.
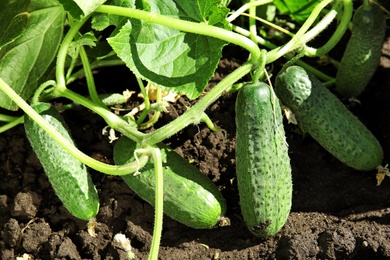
(174, 45)
(67, 175)
(321, 114)
(262, 160)
(189, 196)
(363, 51)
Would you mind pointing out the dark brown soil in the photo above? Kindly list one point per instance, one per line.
(337, 213)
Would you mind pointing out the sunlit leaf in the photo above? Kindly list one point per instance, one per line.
(169, 57)
(81, 8)
(297, 10)
(25, 60)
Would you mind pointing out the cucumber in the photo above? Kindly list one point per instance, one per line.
(363, 51)
(262, 162)
(190, 197)
(321, 114)
(67, 175)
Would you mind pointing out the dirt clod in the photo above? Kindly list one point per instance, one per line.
(26, 204)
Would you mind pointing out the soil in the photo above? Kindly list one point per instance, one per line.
(337, 212)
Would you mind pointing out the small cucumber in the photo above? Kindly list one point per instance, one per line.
(67, 175)
(262, 161)
(363, 51)
(321, 114)
(190, 197)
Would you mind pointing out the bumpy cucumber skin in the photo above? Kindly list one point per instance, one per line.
(190, 197)
(67, 175)
(321, 114)
(262, 161)
(363, 51)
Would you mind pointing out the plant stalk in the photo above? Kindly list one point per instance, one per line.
(87, 160)
(194, 114)
(185, 26)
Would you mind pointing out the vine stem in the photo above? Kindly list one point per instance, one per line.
(245, 7)
(145, 95)
(7, 118)
(252, 21)
(337, 35)
(63, 50)
(159, 200)
(111, 119)
(87, 160)
(61, 90)
(306, 36)
(194, 114)
(185, 26)
(89, 78)
(12, 123)
(295, 42)
(288, 56)
(156, 113)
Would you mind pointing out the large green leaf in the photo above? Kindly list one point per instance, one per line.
(297, 10)
(169, 57)
(13, 20)
(25, 60)
(81, 8)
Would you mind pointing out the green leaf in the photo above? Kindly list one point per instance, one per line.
(24, 61)
(172, 58)
(297, 10)
(13, 20)
(42, 4)
(81, 8)
(101, 21)
(87, 39)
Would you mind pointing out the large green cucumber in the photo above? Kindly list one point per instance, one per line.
(67, 175)
(262, 161)
(190, 197)
(321, 114)
(363, 51)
